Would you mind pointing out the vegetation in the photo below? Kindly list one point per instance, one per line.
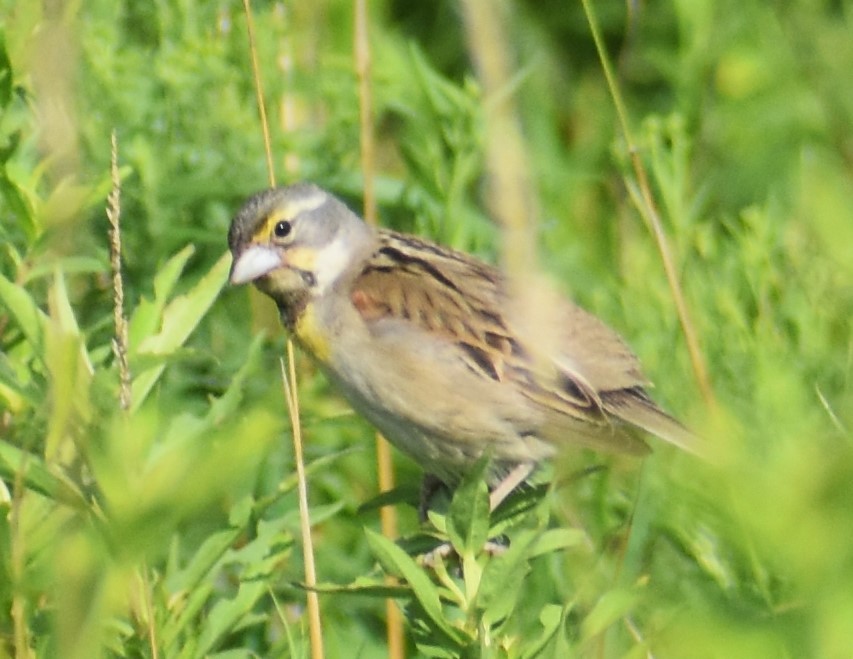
(171, 528)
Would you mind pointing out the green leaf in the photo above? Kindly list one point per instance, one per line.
(444, 97)
(256, 558)
(551, 616)
(36, 475)
(71, 373)
(184, 616)
(241, 512)
(147, 316)
(68, 265)
(16, 199)
(364, 587)
(140, 362)
(229, 402)
(517, 505)
(227, 615)
(233, 654)
(500, 584)
(399, 563)
(203, 561)
(438, 521)
(553, 540)
(289, 483)
(402, 494)
(611, 607)
(16, 394)
(319, 514)
(167, 277)
(29, 318)
(180, 318)
(5, 74)
(468, 518)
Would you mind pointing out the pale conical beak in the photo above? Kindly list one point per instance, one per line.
(253, 262)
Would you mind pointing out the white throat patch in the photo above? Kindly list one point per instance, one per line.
(330, 263)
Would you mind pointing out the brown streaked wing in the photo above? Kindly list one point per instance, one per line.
(589, 393)
(438, 290)
(452, 295)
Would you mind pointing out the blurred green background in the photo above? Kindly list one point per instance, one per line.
(173, 530)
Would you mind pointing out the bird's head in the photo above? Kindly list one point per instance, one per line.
(295, 242)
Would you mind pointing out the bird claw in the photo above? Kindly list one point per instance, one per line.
(445, 550)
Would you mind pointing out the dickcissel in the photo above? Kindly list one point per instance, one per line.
(420, 340)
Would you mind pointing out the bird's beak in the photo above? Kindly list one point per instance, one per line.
(253, 262)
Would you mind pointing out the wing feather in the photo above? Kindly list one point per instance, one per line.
(587, 391)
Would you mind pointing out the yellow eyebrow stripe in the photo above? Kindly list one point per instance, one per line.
(287, 212)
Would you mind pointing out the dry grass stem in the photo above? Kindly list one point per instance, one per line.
(142, 594)
(833, 417)
(511, 198)
(17, 562)
(365, 107)
(648, 209)
(384, 458)
(259, 91)
(120, 349)
(315, 627)
(288, 103)
(119, 320)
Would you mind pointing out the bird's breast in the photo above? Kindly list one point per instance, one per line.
(312, 334)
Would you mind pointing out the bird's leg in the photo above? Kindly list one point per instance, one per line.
(430, 485)
(511, 481)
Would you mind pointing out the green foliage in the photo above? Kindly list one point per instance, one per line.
(170, 528)
(466, 595)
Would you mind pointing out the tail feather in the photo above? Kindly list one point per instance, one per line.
(597, 434)
(635, 407)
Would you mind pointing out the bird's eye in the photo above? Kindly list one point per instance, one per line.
(282, 229)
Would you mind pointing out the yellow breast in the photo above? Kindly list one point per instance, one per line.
(312, 336)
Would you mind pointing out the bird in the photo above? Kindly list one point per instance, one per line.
(427, 344)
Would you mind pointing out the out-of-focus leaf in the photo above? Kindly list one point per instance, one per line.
(398, 562)
(67, 265)
(612, 606)
(26, 314)
(5, 74)
(14, 463)
(258, 559)
(70, 371)
(502, 578)
(16, 199)
(233, 654)
(229, 402)
(227, 614)
(400, 494)
(183, 616)
(553, 540)
(15, 393)
(208, 554)
(551, 617)
(363, 586)
(289, 484)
